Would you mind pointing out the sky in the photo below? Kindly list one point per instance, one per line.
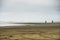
(29, 10)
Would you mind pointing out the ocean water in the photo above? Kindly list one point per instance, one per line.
(9, 24)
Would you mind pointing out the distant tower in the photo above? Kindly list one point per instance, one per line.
(52, 21)
(45, 21)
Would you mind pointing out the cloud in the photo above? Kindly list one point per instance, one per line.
(29, 10)
(30, 2)
(39, 2)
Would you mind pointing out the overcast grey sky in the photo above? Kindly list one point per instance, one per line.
(29, 10)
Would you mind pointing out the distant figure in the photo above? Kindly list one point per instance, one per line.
(52, 21)
(45, 22)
